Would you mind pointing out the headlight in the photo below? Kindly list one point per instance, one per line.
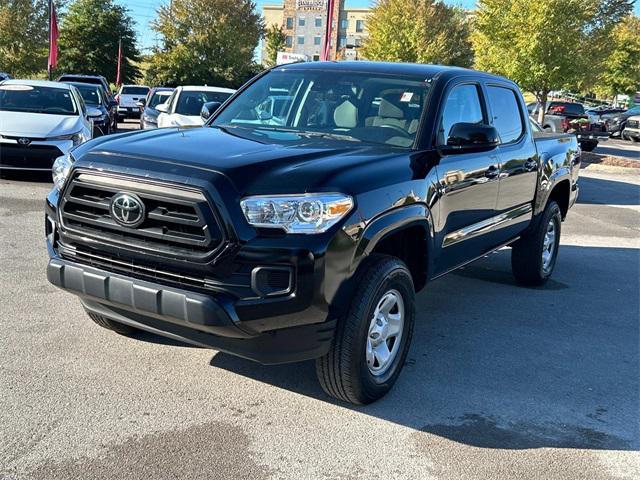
(77, 138)
(307, 213)
(60, 170)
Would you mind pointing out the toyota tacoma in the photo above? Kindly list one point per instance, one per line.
(300, 222)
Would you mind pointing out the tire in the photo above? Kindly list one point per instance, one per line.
(529, 264)
(345, 372)
(109, 324)
(588, 146)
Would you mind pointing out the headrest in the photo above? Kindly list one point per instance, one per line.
(345, 115)
(389, 110)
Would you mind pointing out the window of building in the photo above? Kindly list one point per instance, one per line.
(358, 41)
(301, 40)
(342, 42)
(344, 23)
(318, 22)
(289, 22)
(506, 113)
(301, 22)
(316, 58)
(359, 25)
(288, 40)
(317, 40)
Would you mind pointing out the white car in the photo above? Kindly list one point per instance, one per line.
(183, 108)
(632, 129)
(40, 121)
(128, 97)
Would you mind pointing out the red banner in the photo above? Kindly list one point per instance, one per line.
(53, 37)
(325, 55)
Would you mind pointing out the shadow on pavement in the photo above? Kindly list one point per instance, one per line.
(494, 365)
(26, 176)
(608, 192)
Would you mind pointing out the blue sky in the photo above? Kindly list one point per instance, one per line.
(143, 11)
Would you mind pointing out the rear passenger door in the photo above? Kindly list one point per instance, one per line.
(518, 159)
(468, 182)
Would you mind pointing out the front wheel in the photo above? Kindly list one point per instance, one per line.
(533, 257)
(373, 338)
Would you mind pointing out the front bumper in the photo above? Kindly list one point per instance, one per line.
(632, 132)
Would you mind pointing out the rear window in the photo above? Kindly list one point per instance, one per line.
(134, 90)
(191, 102)
(566, 108)
(506, 113)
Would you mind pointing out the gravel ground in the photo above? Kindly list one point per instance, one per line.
(501, 381)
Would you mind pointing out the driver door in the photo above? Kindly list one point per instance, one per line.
(467, 182)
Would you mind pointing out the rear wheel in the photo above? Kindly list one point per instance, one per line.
(373, 338)
(588, 146)
(533, 257)
(109, 324)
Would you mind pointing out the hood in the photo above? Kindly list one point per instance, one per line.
(38, 125)
(253, 167)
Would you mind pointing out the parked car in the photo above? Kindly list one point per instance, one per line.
(306, 235)
(5, 76)
(96, 80)
(183, 108)
(128, 97)
(40, 121)
(149, 114)
(616, 122)
(95, 96)
(632, 129)
(570, 117)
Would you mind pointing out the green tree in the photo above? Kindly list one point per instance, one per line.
(422, 31)
(622, 65)
(274, 41)
(23, 36)
(545, 45)
(205, 42)
(89, 36)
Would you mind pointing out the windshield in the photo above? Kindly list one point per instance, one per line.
(90, 95)
(159, 97)
(190, 102)
(343, 106)
(134, 90)
(36, 99)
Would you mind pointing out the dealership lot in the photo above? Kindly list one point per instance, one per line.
(501, 381)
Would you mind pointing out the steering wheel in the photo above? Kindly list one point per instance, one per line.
(397, 129)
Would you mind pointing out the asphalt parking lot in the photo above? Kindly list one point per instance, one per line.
(501, 381)
(619, 148)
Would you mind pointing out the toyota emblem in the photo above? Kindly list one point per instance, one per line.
(127, 209)
(24, 141)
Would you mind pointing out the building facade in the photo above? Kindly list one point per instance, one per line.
(304, 24)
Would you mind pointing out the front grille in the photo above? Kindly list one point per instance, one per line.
(633, 123)
(179, 221)
(28, 157)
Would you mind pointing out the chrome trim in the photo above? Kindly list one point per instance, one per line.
(486, 226)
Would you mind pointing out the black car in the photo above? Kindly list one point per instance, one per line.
(95, 96)
(95, 80)
(616, 122)
(149, 114)
(5, 76)
(304, 230)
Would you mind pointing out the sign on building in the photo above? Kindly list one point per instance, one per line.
(286, 57)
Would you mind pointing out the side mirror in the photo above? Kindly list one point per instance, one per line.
(113, 104)
(209, 109)
(162, 108)
(471, 137)
(93, 113)
(142, 102)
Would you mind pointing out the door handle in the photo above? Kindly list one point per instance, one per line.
(530, 165)
(492, 172)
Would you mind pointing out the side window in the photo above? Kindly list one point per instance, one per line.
(506, 113)
(461, 106)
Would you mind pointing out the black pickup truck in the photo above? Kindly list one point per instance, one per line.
(304, 231)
